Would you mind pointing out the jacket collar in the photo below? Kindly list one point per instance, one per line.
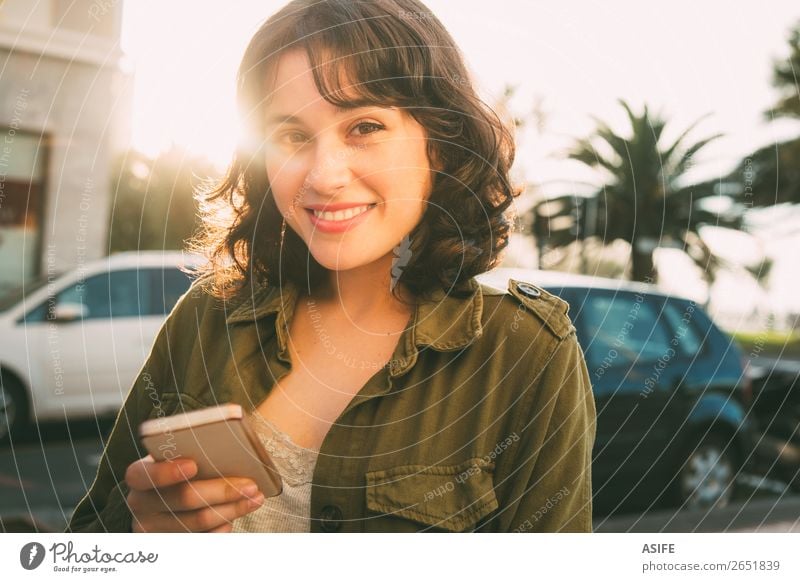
(443, 322)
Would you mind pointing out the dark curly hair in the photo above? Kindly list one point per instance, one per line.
(396, 53)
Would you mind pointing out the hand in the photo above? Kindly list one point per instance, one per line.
(164, 498)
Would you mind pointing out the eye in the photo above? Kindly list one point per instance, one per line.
(368, 125)
(290, 134)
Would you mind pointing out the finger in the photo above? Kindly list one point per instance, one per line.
(190, 495)
(200, 519)
(146, 473)
(224, 528)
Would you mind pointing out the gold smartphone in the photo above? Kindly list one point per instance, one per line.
(219, 439)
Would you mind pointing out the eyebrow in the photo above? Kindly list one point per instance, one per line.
(279, 118)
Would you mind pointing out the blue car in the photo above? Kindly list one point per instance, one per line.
(670, 390)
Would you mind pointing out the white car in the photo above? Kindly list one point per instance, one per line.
(72, 344)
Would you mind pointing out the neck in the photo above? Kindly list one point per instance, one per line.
(364, 294)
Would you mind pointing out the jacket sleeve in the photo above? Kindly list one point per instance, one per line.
(104, 508)
(552, 484)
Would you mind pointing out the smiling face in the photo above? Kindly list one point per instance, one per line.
(365, 171)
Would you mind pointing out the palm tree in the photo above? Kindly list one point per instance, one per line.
(643, 199)
(771, 174)
(786, 77)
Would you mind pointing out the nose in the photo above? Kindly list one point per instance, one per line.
(331, 169)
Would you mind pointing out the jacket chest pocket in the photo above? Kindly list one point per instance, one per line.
(435, 497)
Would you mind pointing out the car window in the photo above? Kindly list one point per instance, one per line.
(622, 329)
(110, 295)
(683, 327)
(36, 315)
(124, 293)
(167, 287)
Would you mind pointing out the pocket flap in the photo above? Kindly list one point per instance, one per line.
(453, 497)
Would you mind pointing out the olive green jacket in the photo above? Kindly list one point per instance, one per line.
(483, 420)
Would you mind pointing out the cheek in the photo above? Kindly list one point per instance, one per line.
(403, 171)
(286, 180)
(412, 168)
(403, 212)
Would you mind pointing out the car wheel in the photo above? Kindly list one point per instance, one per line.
(13, 409)
(708, 476)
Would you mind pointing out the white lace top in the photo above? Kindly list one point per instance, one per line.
(290, 510)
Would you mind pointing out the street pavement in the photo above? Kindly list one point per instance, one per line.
(763, 515)
(43, 477)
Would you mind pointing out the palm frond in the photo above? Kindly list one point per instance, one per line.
(682, 165)
(670, 151)
(585, 152)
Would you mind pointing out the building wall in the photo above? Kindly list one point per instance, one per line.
(61, 105)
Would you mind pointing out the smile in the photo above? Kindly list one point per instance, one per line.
(341, 215)
(340, 221)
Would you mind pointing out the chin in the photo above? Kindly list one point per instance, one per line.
(340, 261)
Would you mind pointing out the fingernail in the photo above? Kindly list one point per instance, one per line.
(257, 500)
(250, 490)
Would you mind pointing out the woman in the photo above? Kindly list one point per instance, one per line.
(340, 308)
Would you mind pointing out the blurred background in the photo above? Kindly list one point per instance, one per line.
(659, 147)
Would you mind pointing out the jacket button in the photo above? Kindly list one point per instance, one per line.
(528, 290)
(330, 518)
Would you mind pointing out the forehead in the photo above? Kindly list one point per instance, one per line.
(291, 84)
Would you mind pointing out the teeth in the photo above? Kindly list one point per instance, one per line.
(342, 214)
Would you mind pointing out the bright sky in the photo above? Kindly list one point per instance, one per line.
(685, 58)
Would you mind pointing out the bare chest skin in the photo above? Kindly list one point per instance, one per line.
(332, 359)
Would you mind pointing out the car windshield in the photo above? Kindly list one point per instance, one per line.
(15, 295)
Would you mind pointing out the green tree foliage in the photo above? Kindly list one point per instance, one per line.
(771, 174)
(153, 205)
(786, 78)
